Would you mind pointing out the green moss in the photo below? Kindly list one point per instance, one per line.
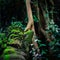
(9, 50)
(29, 35)
(6, 57)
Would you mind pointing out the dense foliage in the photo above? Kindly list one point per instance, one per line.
(13, 38)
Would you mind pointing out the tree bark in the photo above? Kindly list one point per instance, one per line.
(29, 11)
(44, 16)
(30, 18)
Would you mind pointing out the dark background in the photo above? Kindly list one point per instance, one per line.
(17, 9)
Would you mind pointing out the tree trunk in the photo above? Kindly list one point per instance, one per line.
(29, 11)
(44, 16)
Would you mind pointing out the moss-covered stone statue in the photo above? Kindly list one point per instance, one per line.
(18, 43)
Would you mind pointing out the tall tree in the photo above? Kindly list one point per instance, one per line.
(30, 24)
